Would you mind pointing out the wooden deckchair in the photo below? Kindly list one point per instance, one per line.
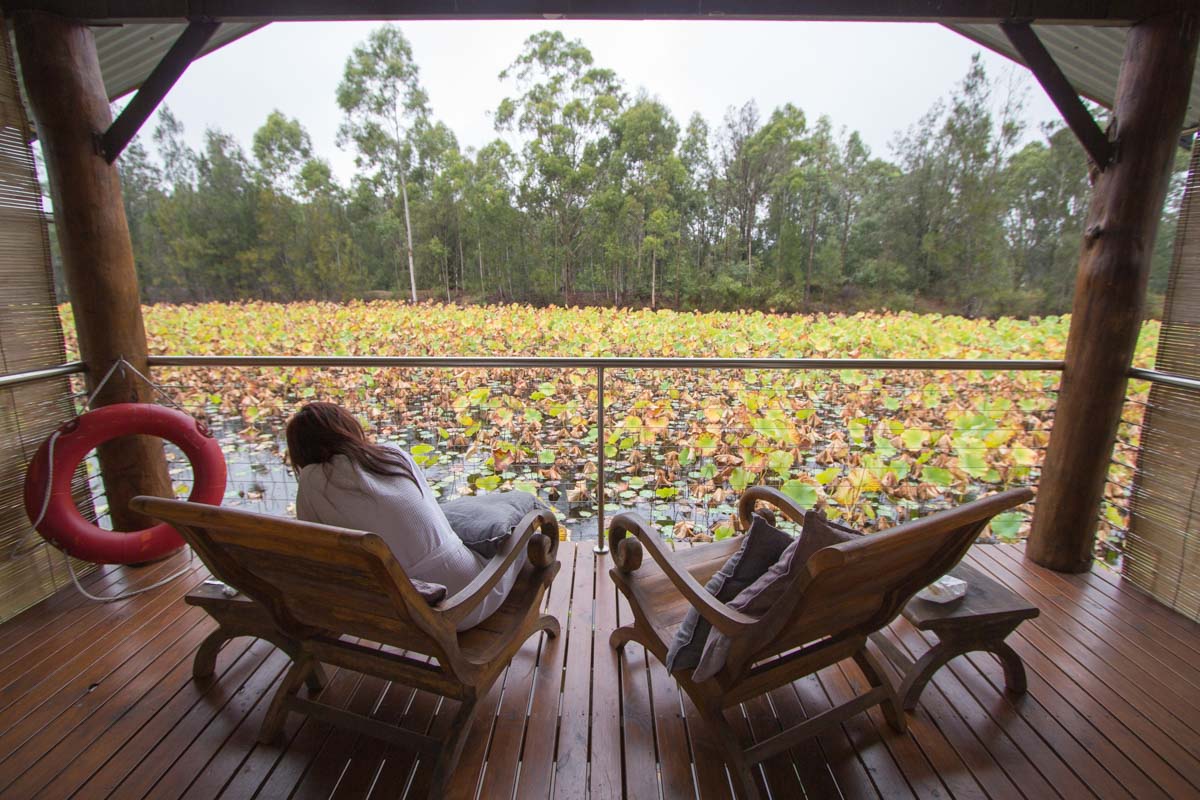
(845, 593)
(324, 587)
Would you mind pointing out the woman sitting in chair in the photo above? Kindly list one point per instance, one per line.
(347, 481)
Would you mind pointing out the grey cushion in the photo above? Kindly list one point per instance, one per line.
(485, 521)
(761, 547)
(430, 592)
(758, 598)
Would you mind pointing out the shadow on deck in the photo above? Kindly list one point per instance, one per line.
(98, 700)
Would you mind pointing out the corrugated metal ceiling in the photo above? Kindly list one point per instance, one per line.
(1089, 56)
(128, 53)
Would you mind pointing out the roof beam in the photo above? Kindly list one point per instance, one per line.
(186, 48)
(1061, 92)
(1079, 12)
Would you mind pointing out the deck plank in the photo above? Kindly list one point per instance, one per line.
(637, 715)
(291, 759)
(574, 727)
(50, 628)
(100, 701)
(509, 738)
(82, 749)
(537, 760)
(605, 775)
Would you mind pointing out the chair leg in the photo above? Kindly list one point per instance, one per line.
(735, 758)
(205, 663)
(893, 712)
(621, 637)
(1014, 669)
(452, 747)
(277, 713)
(550, 625)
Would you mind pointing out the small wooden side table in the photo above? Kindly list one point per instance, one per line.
(981, 620)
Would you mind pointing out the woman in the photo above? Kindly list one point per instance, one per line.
(347, 481)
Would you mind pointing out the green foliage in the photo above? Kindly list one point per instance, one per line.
(608, 200)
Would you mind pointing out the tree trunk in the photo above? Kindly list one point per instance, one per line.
(66, 94)
(1110, 287)
(479, 251)
(653, 279)
(412, 271)
(812, 250)
(749, 258)
(845, 238)
(462, 267)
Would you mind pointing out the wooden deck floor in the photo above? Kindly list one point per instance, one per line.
(97, 701)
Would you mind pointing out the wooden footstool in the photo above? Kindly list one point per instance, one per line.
(981, 620)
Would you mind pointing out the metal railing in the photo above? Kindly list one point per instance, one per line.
(1165, 378)
(600, 365)
(34, 375)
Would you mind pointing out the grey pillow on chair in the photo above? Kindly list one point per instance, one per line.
(485, 521)
(758, 598)
(761, 547)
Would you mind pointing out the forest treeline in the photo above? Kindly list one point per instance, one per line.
(607, 198)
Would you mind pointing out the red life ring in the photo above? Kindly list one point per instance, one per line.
(63, 526)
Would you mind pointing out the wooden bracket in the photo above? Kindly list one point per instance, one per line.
(1061, 92)
(185, 50)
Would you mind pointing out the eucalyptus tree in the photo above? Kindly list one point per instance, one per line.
(782, 151)
(143, 195)
(281, 148)
(749, 161)
(652, 176)
(439, 176)
(697, 207)
(1048, 192)
(217, 231)
(492, 216)
(384, 103)
(335, 262)
(563, 108)
(851, 186)
(817, 181)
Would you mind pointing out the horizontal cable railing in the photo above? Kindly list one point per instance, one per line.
(646, 437)
(34, 375)
(552, 362)
(607, 427)
(1166, 378)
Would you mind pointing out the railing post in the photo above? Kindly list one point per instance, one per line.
(601, 542)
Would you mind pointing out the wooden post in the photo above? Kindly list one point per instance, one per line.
(61, 73)
(1110, 287)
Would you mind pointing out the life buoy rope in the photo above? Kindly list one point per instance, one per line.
(48, 481)
(51, 506)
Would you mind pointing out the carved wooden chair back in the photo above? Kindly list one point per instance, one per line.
(857, 587)
(314, 579)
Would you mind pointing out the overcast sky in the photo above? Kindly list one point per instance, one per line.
(875, 78)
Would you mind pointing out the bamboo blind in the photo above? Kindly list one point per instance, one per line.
(30, 338)
(1162, 550)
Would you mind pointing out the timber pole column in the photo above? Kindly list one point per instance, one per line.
(61, 73)
(1110, 287)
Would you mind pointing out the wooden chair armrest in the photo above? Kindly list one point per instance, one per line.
(541, 547)
(627, 555)
(768, 494)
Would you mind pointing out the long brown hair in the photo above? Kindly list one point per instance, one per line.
(319, 431)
